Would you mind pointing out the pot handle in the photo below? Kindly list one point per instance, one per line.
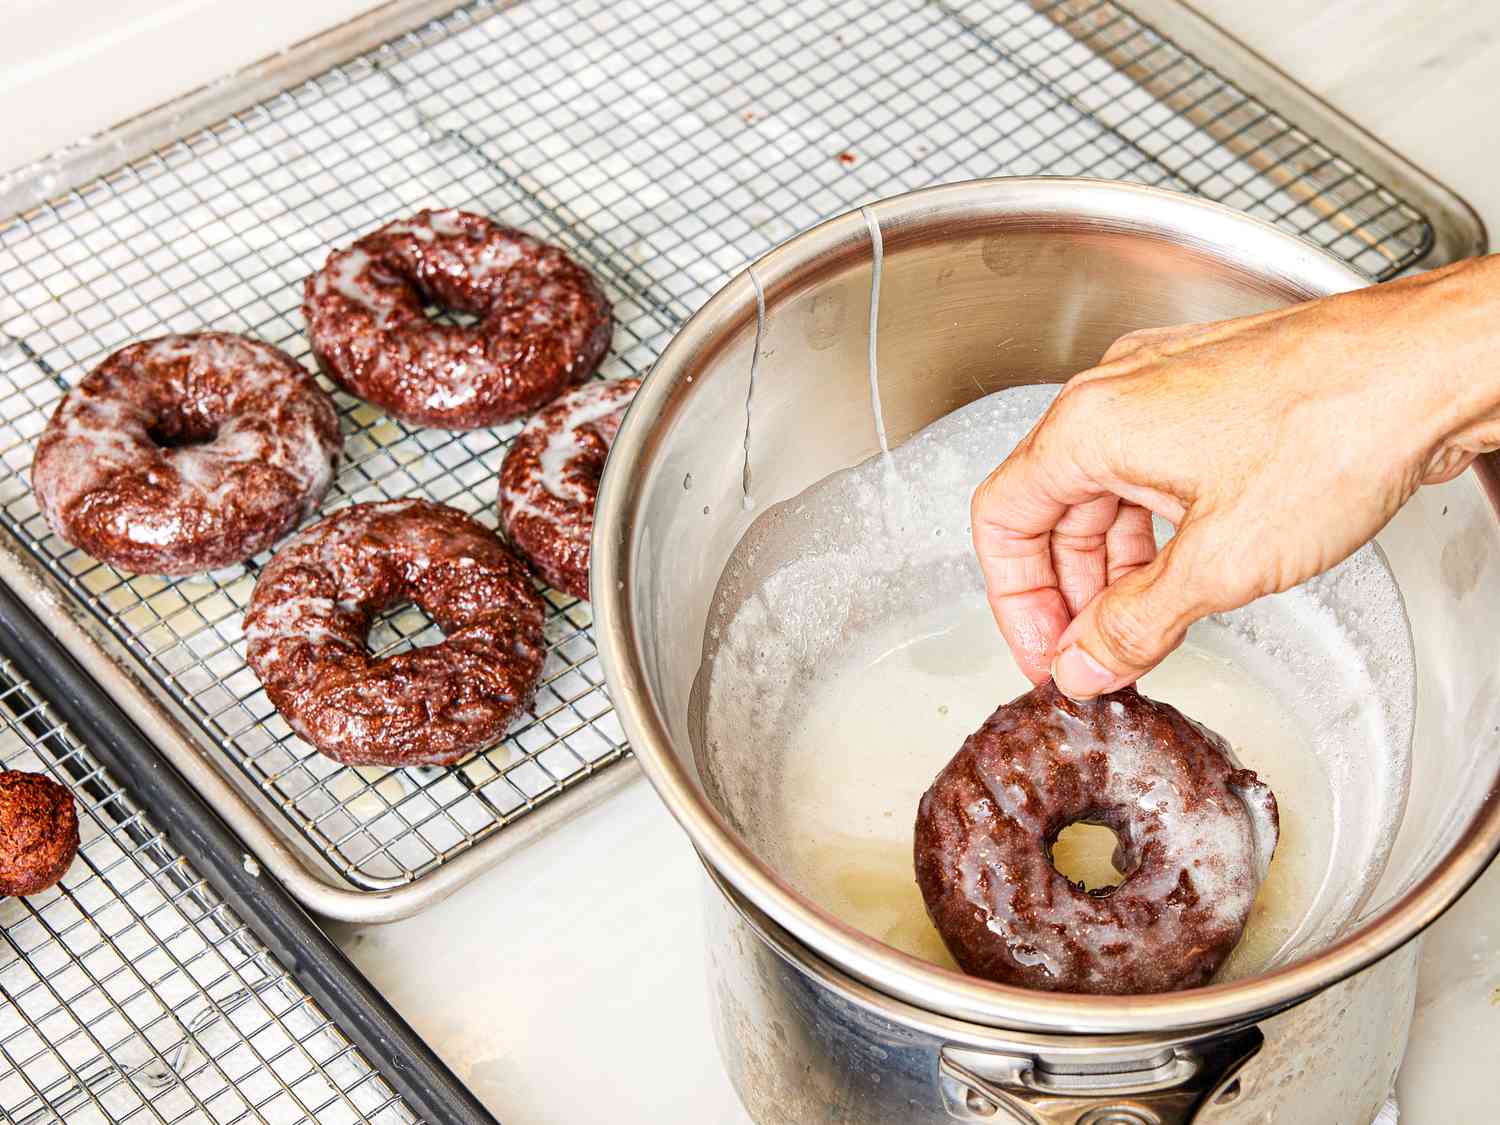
(1167, 1087)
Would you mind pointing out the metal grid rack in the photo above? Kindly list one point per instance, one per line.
(665, 145)
(131, 992)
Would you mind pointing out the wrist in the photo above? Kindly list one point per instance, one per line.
(1452, 327)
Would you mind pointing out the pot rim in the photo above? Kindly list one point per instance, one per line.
(1213, 229)
(934, 1024)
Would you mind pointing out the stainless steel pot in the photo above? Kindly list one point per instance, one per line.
(804, 1043)
(992, 284)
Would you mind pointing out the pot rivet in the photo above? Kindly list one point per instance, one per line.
(1228, 1093)
(1119, 1115)
(979, 1105)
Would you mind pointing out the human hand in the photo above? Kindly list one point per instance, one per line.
(1276, 444)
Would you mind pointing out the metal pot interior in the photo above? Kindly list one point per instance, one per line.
(987, 286)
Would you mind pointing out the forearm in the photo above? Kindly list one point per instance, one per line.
(1410, 367)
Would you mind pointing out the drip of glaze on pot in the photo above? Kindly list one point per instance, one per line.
(877, 265)
(746, 497)
(877, 258)
(849, 651)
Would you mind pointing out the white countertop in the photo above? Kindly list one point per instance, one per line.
(581, 958)
(586, 953)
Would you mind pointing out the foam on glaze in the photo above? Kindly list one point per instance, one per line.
(1196, 835)
(313, 606)
(549, 480)
(862, 560)
(543, 322)
(186, 453)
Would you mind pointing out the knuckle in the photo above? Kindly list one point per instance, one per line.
(1015, 465)
(1134, 339)
(1079, 401)
(1133, 638)
(1142, 344)
(1085, 419)
(1205, 576)
(988, 492)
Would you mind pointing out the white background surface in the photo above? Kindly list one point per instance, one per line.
(68, 70)
(579, 962)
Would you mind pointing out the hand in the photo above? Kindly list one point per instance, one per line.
(1276, 444)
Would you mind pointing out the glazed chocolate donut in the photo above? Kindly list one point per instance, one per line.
(38, 832)
(311, 612)
(1196, 834)
(186, 453)
(543, 322)
(550, 481)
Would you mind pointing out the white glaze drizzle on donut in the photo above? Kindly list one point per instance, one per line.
(601, 405)
(100, 475)
(543, 323)
(308, 619)
(546, 496)
(1230, 845)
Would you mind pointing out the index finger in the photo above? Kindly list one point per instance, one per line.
(1013, 515)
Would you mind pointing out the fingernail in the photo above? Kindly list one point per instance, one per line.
(1078, 675)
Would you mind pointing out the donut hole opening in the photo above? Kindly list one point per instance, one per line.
(179, 431)
(1085, 853)
(444, 314)
(402, 626)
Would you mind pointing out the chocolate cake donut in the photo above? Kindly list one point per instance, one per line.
(543, 322)
(186, 453)
(311, 612)
(38, 832)
(1196, 834)
(549, 481)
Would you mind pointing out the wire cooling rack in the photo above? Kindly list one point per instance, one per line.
(663, 144)
(131, 992)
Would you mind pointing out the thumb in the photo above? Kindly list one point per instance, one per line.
(1131, 626)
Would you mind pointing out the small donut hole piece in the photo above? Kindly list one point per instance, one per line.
(1084, 853)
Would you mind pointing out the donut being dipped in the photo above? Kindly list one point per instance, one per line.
(543, 324)
(38, 832)
(312, 609)
(186, 453)
(1195, 838)
(549, 481)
